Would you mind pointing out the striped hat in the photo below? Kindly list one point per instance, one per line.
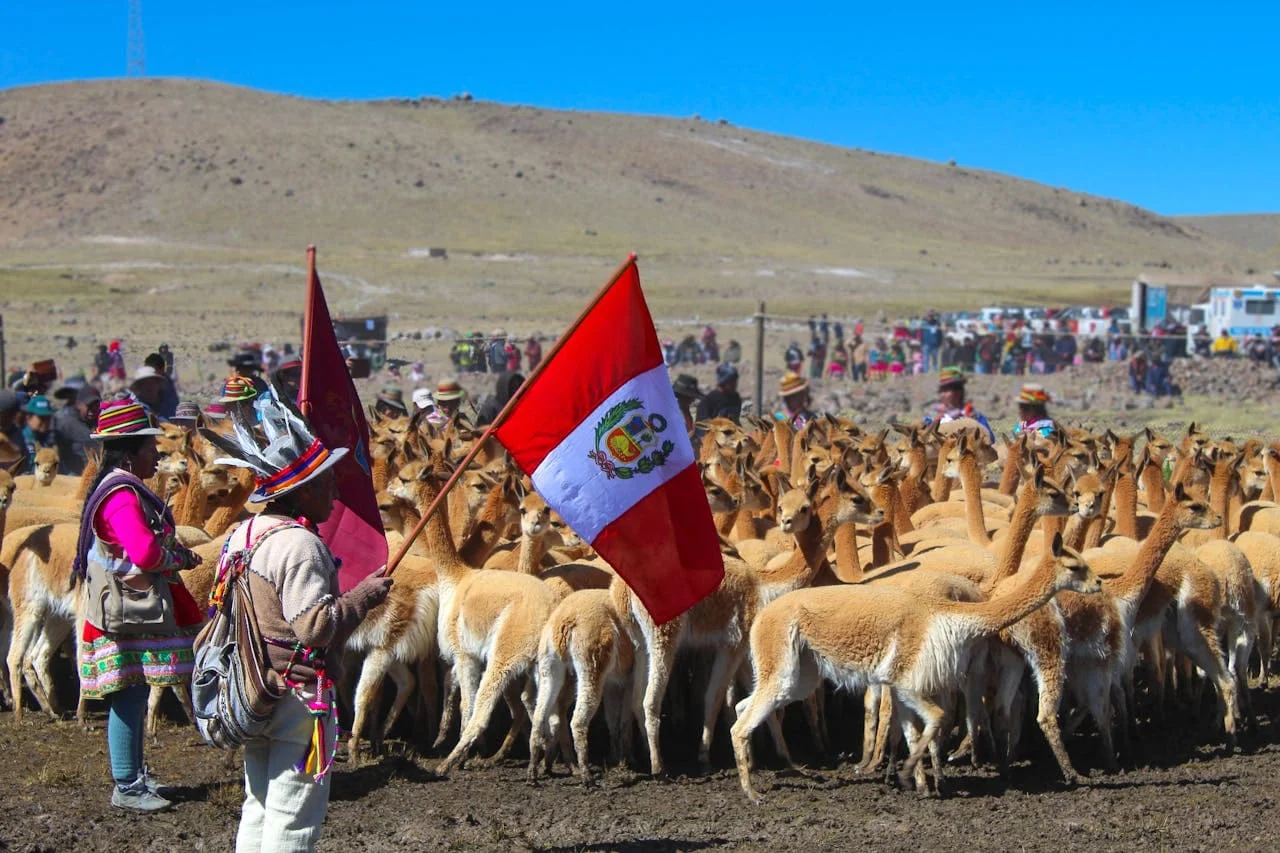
(187, 413)
(1033, 395)
(281, 450)
(792, 383)
(449, 389)
(124, 419)
(238, 389)
(950, 377)
(215, 411)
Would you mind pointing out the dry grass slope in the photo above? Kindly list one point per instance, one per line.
(1256, 232)
(179, 203)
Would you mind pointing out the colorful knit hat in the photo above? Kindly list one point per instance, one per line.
(449, 389)
(1033, 395)
(215, 411)
(792, 383)
(280, 449)
(125, 418)
(237, 390)
(950, 377)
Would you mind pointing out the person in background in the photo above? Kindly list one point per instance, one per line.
(422, 400)
(951, 405)
(101, 362)
(512, 353)
(733, 352)
(839, 366)
(859, 353)
(931, 341)
(817, 356)
(794, 357)
(794, 391)
(449, 396)
(498, 352)
(390, 403)
(1225, 346)
(116, 353)
(167, 355)
(1065, 349)
(724, 401)
(168, 390)
(504, 388)
(1158, 383)
(288, 377)
(73, 430)
(417, 373)
(533, 353)
(127, 530)
(1033, 413)
(238, 396)
(687, 395)
(187, 416)
(10, 425)
(710, 346)
(247, 364)
(460, 355)
(148, 388)
(37, 432)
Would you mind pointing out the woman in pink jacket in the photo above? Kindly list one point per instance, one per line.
(127, 531)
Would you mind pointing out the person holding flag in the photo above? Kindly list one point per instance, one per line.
(316, 556)
(300, 612)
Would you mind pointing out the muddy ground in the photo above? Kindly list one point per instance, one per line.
(1179, 791)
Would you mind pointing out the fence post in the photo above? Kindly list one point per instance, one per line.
(759, 407)
(4, 366)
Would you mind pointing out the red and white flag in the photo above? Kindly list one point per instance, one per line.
(599, 431)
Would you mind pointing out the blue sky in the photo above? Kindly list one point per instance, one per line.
(1173, 106)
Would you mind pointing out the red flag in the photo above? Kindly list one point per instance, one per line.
(328, 398)
(601, 434)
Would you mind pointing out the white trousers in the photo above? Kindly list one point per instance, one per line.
(283, 809)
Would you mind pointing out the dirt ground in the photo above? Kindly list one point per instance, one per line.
(1178, 791)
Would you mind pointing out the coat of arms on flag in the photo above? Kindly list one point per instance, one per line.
(630, 434)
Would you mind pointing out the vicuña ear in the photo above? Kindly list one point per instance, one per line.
(1179, 492)
(1057, 545)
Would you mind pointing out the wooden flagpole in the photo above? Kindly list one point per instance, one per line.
(506, 410)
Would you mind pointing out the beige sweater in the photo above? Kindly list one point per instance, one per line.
(295, 594)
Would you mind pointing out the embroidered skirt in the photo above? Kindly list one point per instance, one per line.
(109, 663)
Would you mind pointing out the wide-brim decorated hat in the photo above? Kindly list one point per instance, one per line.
(238, 390)
(1033, 395)
(280, 448)
(124, 419)
(792, 383)
(950, 377)
(449, 390)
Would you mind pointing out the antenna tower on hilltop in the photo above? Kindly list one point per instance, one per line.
(137, 47)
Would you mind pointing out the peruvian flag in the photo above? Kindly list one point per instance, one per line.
(328, 398)
(599, 431)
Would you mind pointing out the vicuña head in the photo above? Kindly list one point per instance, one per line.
(1191, 512)
(1071, 571)
(46, 465)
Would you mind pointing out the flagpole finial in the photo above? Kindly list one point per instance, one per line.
(632, 256)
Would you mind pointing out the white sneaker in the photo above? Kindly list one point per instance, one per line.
(136, 797)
